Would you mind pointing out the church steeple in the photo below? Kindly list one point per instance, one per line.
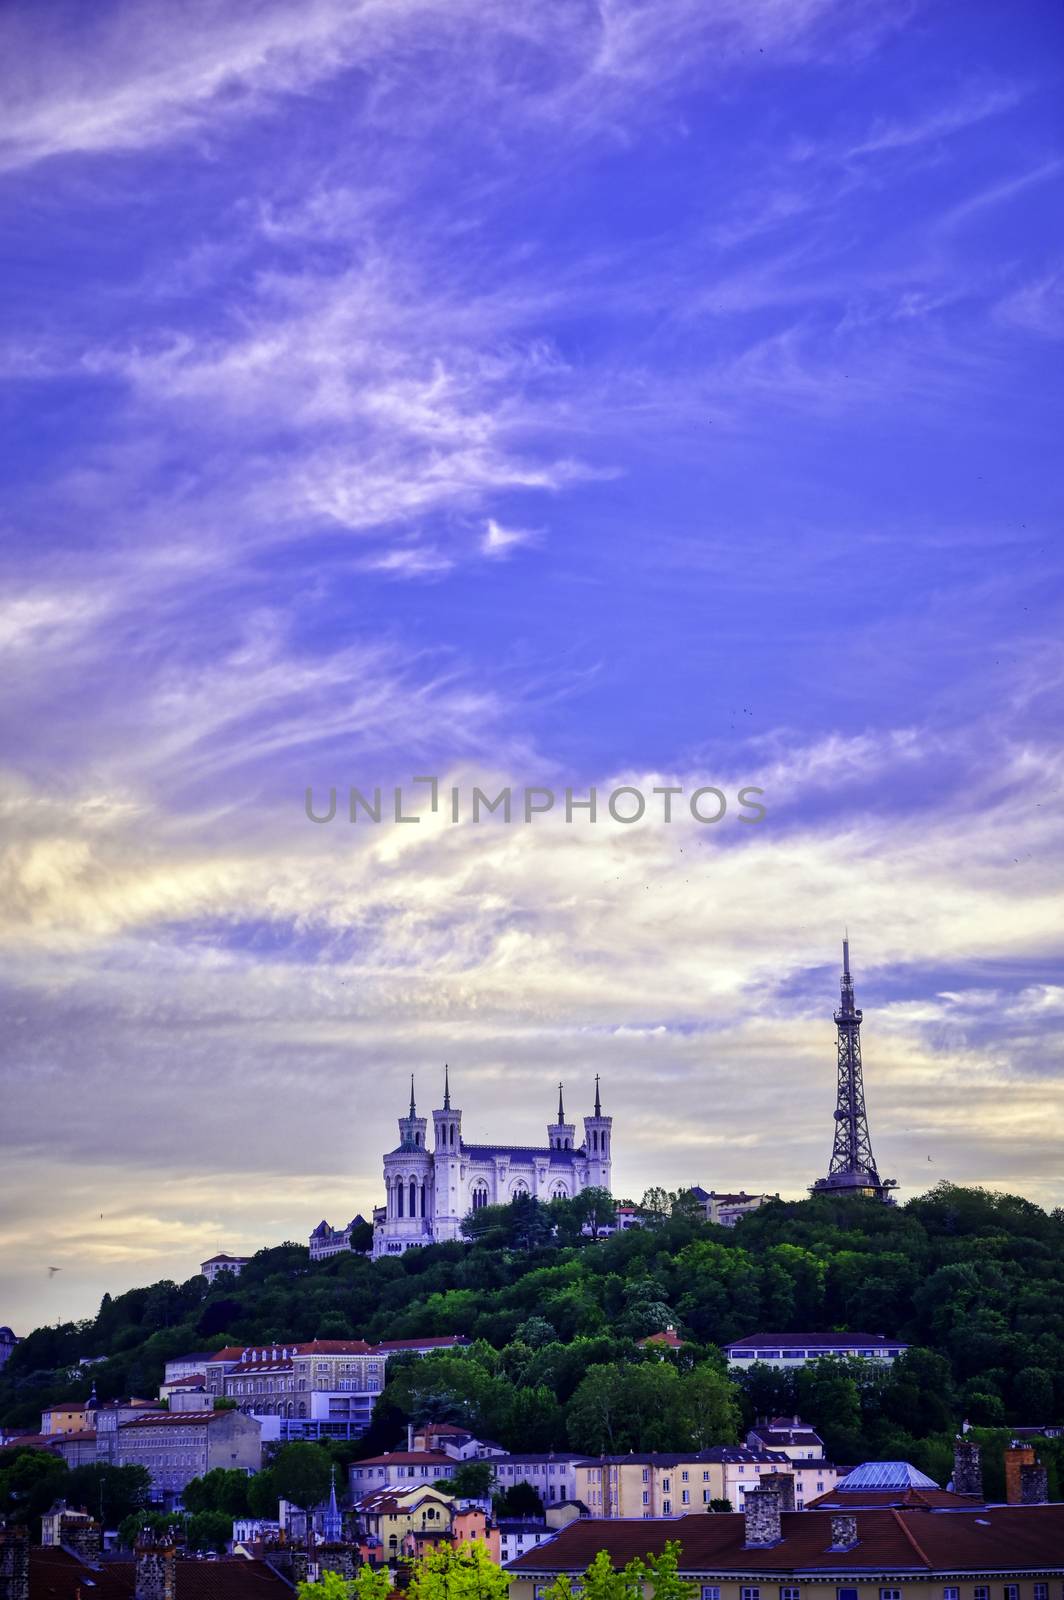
(560, 1134)
(597, 1134)
(412, 1127)
(446, 1088)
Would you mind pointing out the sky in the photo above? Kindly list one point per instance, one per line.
(572, 395)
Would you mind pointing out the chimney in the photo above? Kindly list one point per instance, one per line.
(843, 1531)
(1034, 1484)
(155, 1575)
(1016, 1456)
(761, 1510)
(967, 1467)
(783, 1484)
(83, 1536)
(14, 1564)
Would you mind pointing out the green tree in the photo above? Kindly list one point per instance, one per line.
(263, 1496)
(595, 1209)
(302, 1473)
(458, 1572)
(472, 1480)
(209, 1530)
(710, 1402)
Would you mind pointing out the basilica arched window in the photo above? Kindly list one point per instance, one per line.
(559, 1192)
(480, 1195)
(400, 1191)
(520, 1187)
(422, 1199)
(413, 1198)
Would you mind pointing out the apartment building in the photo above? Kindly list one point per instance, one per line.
(673, 1485)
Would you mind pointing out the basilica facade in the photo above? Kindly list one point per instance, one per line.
(430, 1192)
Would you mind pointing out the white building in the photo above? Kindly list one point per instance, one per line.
(552, 1474)
(223, 1263)
(791, 1350)
(431, 1192)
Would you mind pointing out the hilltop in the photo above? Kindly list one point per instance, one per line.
(972, 1280)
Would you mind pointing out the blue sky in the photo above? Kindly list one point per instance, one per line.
(608, 393)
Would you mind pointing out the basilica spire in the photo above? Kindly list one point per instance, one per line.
(446, 1088)
(413, 1108)
(561, 1106)
(598, 1102)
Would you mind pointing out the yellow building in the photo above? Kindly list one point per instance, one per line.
(65, 1416)
(673, 1485)
(389, 1515)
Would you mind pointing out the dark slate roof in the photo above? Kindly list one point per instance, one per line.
(811, 1341)
(717, 1453)
(990, 1540)
(557, 1157)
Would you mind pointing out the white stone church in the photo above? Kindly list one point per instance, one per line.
(429, 1192)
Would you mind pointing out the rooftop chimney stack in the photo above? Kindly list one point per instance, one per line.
(843, 1531)
(14, 1563)
(1034, 1484)
(783, 1484)
(156, 1578)
(762, 1513)
(967, 1467)
(1016, 1456)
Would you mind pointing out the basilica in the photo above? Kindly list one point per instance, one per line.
(429, 1192)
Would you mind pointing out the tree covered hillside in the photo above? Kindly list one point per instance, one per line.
(973, 1280)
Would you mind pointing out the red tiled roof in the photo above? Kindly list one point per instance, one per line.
(667, 1336)
(60, 1576)
(921, 1499)
(174, 1419)
(811, 1341)
(194, 1379)
(989, 1539)
(64, 1405)
(339, 1347)
(408, 1458)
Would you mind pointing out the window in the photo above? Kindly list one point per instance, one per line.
(951, 1592)
(705, 1476)
(794, 1355)
(705, 1497)
(790, 1591)
(666, 1508)
(684, 1476)
(749, 1594)
(890, 1594)
(845, 1594)
(1012, 1591)
(686, 1497)
(646, 1497)
(711, 1591)
(666, 1484)
(1041, 1591)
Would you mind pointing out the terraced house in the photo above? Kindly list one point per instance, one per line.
(664, 1485)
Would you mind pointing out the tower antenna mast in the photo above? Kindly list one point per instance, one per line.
(852, 1169)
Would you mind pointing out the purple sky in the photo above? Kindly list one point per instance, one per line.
(572, 394)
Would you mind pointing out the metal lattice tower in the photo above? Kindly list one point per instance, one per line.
(852, 1169)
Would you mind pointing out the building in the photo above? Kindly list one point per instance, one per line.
(187, 1394)
(326, 1241)
(458, 1443)
(789, 1436)
(430, 1193)
(873, 1554)
(891, 1483)
(727, 1209)
(64, 1416)
(666, 1339)
(191, 1366)
(852, 1169)
(8, 1341)
(552, 1474)
(399, 1469)
(664, 1484)
(177, 1448)
(796, 1349)
(223, 1263)
(324, 1388)
(517, 1534)
(110, 1416)
(388, 1515)
(77, 1449)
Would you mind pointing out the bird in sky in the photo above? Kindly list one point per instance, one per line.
(53, 1270)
